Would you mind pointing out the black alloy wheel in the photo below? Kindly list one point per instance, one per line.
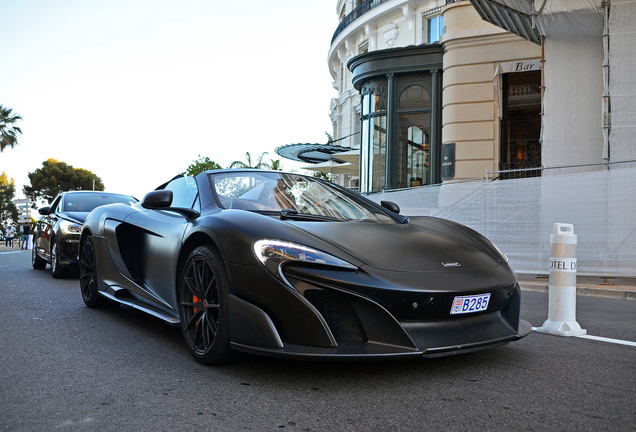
(56, 269)
(88, 276)
(37, 262)
(203, 306)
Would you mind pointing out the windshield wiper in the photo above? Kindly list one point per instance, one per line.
(291, 214)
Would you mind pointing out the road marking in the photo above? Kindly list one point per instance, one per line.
(602, 339)
(7, 253)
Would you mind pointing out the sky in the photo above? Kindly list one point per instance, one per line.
(136, 90)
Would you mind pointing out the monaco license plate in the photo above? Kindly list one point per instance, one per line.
(470, 304)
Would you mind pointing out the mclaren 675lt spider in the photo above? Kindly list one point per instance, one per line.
(285, 265)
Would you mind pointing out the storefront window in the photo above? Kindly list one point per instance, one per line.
(415, 97)
(400, 116)
(521, 122)
(414, 140)
(373, 164)
(372, 104)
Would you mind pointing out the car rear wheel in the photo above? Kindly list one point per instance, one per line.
(88, 276)
(56, 269)
(203, 305)
(37, 262)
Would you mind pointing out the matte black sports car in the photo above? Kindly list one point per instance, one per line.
(56, 235)
(286, 265)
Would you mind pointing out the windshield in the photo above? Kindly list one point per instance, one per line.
(281, 192)
(85, 202)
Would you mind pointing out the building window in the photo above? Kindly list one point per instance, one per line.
(433, 29)
(414, 121)
(373, 164)
(401, 111)
(521, 121)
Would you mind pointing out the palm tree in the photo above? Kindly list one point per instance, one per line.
(248, 157)
(8, 132)
(276, 165)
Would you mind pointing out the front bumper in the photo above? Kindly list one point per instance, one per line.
(68, 250)
(332, 322)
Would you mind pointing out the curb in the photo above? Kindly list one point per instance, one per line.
(585, 291)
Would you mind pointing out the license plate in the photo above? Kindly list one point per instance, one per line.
(470, 304)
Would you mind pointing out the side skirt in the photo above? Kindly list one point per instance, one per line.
(169, 319)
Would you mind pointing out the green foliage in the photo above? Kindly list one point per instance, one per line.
(8, 132)
(259, 164)
(55, 177)
(322, 175)
(200, 165)
(8, 210)
(275, 165)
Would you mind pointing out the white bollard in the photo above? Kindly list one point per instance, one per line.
(562, 296)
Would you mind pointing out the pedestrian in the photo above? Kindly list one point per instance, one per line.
(26, 230)
(9, 236)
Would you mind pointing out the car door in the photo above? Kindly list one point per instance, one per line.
(160, 234)
(44, 229)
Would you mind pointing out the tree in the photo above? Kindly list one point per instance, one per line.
(276, 165)
(8, 210)
(55, 177)
(200, 165)
(248, 157)
(8, 132)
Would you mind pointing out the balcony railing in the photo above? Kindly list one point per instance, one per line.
(355, 14)
(361, 10)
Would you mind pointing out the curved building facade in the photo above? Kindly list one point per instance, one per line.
(429, 92)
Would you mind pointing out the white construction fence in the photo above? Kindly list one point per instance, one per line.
(518, 214)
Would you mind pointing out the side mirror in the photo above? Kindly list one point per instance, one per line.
(157, 199)
(45, 211)
(389, 205)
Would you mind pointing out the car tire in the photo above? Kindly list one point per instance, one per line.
(56, 269)
(37, 262)
(88, 276)
(203, 307)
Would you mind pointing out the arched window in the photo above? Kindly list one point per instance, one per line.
(415, 97)
(414, 138)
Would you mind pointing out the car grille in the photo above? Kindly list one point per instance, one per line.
(337, 311)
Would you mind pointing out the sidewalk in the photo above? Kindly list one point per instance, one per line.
(618, 288)
(16, 246)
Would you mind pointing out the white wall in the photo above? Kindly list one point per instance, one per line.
(623, 80)
(573, 132)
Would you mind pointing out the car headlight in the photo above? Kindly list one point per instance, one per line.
(505, 258)
(70, 227)
(274, 253)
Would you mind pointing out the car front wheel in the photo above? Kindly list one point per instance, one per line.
(37, 262)
(203, 305)
(56, 269)
(88, 276)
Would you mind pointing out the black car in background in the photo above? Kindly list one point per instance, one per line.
(56, 235)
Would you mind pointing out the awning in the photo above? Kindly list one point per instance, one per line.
(310, 153)
(333, 167)
(512, 15)
(351, 156)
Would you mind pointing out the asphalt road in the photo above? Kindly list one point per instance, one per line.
(64, 367)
